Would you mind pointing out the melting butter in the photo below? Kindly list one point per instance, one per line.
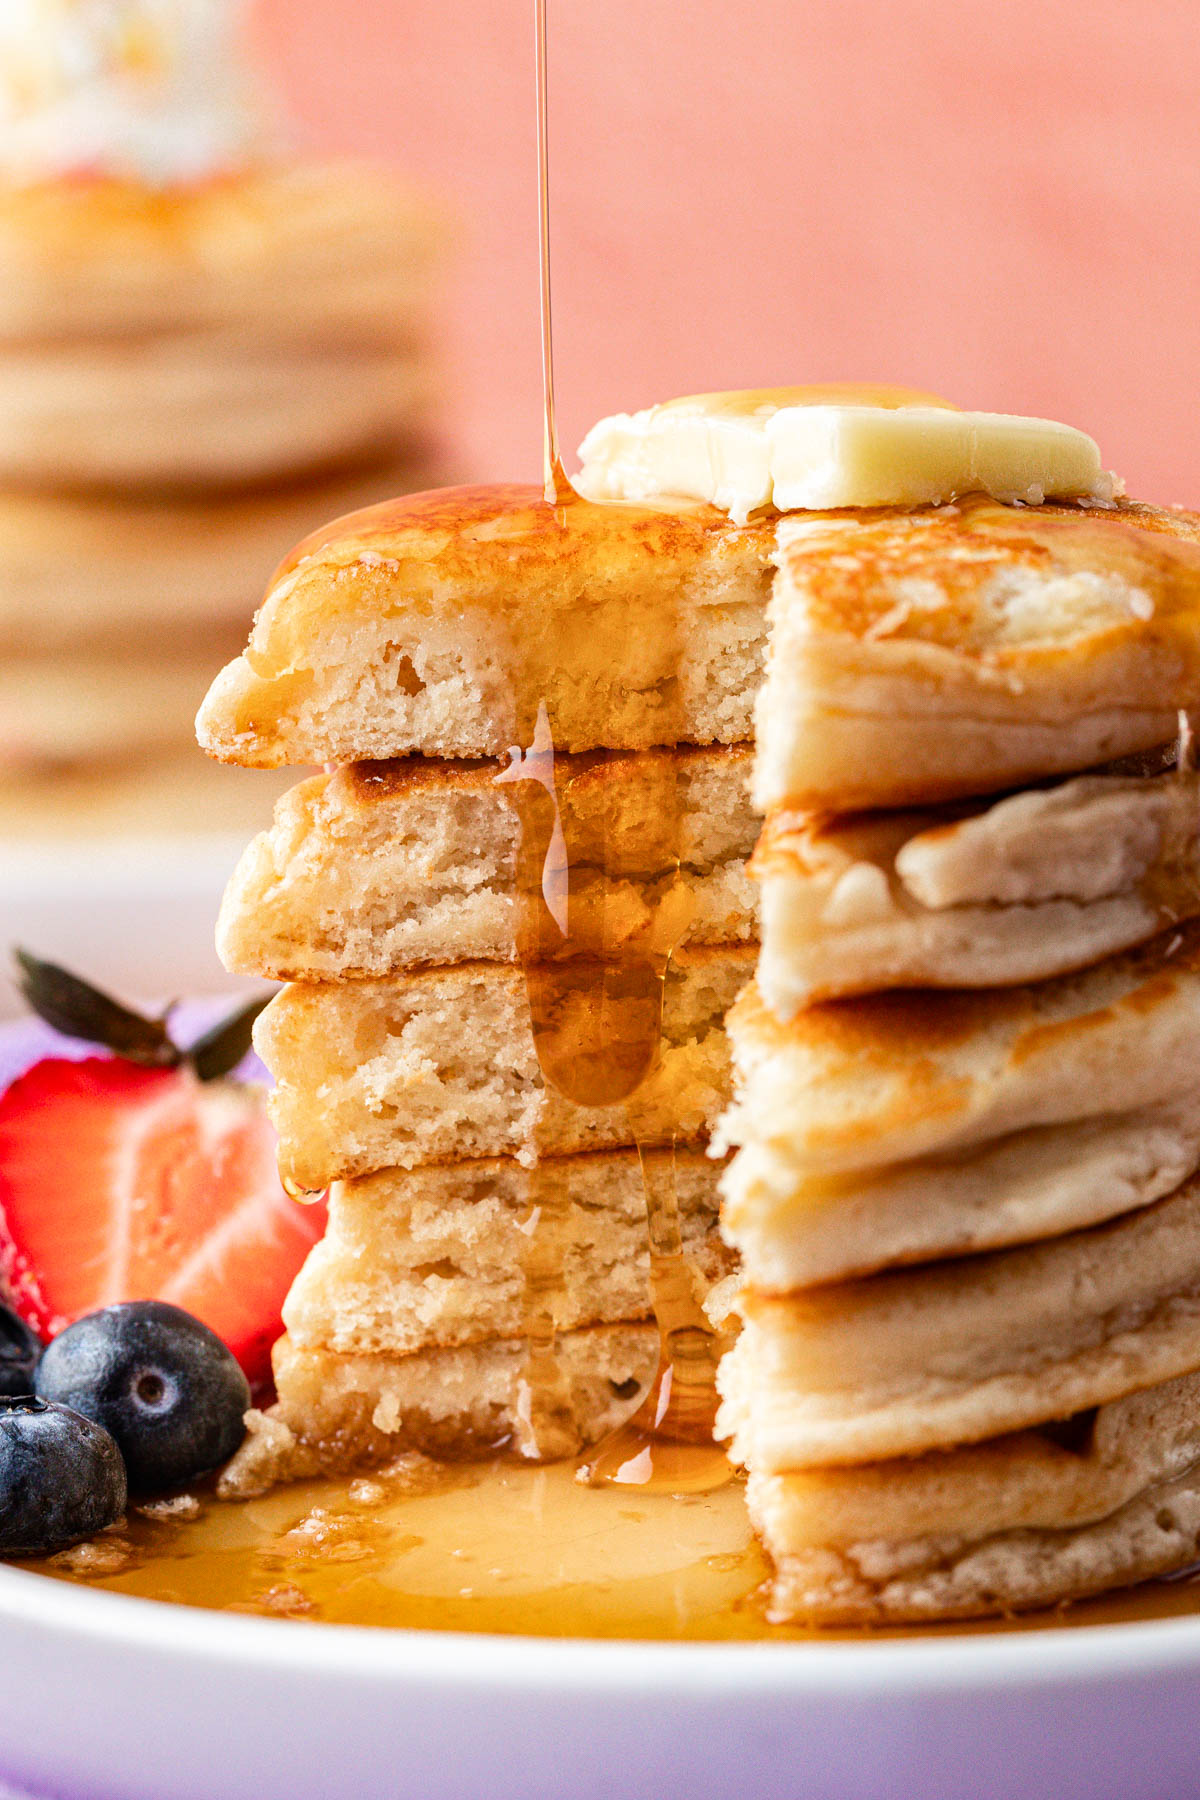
(819, 448)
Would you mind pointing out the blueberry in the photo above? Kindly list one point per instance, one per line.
(61, 1477)
(20, 1349)
(162, 1383)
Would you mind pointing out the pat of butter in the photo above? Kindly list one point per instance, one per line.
(815, 449)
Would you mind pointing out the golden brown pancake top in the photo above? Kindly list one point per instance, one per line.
(498, 539)
(893, 576)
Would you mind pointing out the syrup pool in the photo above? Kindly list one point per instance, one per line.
(495, 1547)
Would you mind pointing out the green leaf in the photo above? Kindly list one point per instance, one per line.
(223, 1048)
(72, 1006)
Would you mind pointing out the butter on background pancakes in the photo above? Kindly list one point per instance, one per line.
(157, 91)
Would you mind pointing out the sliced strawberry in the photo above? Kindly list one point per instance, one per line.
(119, 1182)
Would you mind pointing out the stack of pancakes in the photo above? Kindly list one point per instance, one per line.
(539, 716)
(190, 378)
(966, 1194)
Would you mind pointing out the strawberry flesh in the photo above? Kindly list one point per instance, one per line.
(125, 1183)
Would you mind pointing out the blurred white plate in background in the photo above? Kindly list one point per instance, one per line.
(136, 915)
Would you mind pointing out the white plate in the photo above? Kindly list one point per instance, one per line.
(119, 1699)
(108, 1698)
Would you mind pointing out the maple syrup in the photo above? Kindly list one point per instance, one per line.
(742, 403)
(596, 1021)
(500, 1547)
(596, 1018)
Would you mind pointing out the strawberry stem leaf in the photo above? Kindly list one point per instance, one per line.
(221, 1050)
(79, 1010)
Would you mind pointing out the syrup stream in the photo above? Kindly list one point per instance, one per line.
(597, 1031)
(558, 488)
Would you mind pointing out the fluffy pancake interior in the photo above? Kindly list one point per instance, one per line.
(378, 867)
(425, 1067)
(438, 625)
(960, 1351)
(439, 1256)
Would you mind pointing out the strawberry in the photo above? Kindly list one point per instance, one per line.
(144, 1175)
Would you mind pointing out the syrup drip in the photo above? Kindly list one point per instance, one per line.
(668, 1443)
(558, 488)
(305, 1195)
(596, 1015)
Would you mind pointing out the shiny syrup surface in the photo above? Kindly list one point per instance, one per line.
(498, 1547)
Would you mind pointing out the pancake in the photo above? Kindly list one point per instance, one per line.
(382, 866)
(919, 656)
(1106, 1499)
(195, 412)
(342, 1411)
(440, 1256)
(857, 1084)
(434, 1066)
(1031, 886)
(402, 629)
(72, 711)
(312, 249)
(956, 1352)
(109, 571)
(795, 1231)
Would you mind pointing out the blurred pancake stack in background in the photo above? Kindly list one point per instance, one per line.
(208, 346)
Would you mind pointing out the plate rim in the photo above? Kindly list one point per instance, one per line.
(895, 1668)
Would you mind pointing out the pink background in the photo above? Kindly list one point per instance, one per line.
(997, 202)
